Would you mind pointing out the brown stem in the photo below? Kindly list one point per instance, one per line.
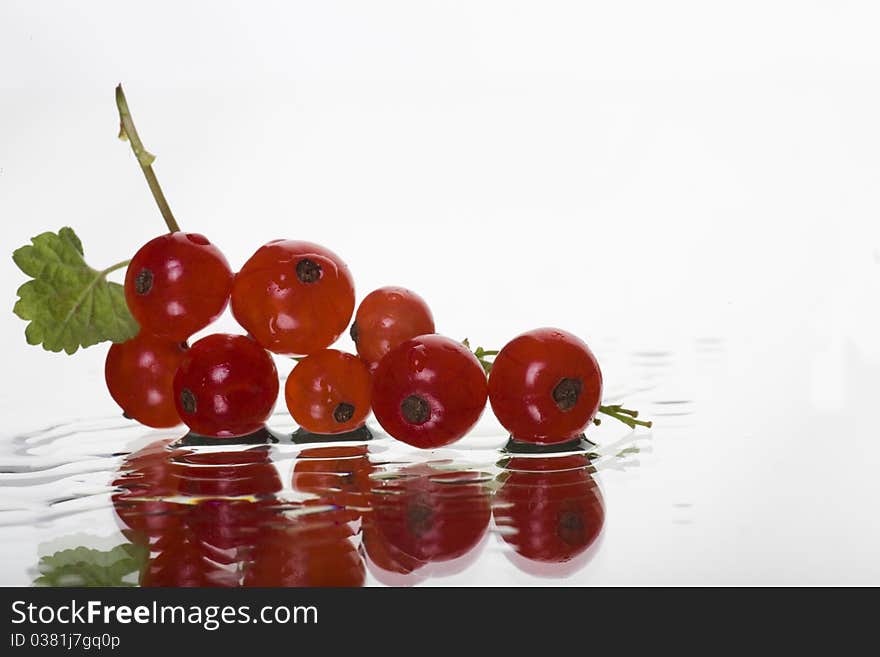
(144, 158)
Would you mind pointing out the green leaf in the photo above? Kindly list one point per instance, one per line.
(69, 304)
(84, 566)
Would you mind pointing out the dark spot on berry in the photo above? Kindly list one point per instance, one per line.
(419, 518)
(415, 410)
(353, 332)
(570, 527)
(343, 412)
(127, 416)
(143, 282)
(566, 393)
(308, 271)
(188, 400)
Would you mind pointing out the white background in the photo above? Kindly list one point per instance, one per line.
(651, 176)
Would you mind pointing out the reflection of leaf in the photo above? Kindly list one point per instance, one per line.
(69, 304)
(84, 566)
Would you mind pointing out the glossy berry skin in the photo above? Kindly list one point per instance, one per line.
(177, 284)
(329, 392)
(139, 375)
(545, 386)
(429, 391)
(226, 386)
(294, 298)
(386, 318)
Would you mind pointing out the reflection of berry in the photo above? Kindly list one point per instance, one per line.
(177, 284)
(139, 375)
(236, 493)
(383, 553)
(240, 473)
(184, 561)
(329, 392)
(337, 475)
(200, 512)
(429, 391)
(314, 549)
(429, 514)
(386, 318)
(545, 386)
(226, 386)
(225, 525)
(553, 504)
(293, 297)
(145, 480)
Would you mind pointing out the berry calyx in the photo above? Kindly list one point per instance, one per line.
(308, 271)
(329, 392)
(386, 318)
(429, 391)
(143, 282)
(188, 401)
(566, 393)
(415, 409)
(343, 412)
(294, 298)
(177, 284)
(139, 375)
(226, 386)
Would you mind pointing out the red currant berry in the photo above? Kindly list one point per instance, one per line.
(177, 284)
(545, 386)
(139, 375)
(387, 317)
(329, 392)
(226, 386)
(429, 391)
(553, 504)
(293, 297)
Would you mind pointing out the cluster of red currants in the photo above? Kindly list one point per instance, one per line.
(296, 298)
